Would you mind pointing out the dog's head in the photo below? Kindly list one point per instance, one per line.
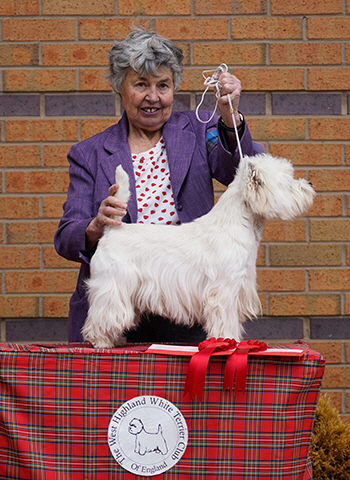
(135, 426)
(271, 191)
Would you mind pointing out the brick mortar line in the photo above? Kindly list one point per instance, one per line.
(261, 290)
(343, 154)
(345, 255)
(33, 143)
(32, 194)
(301, 267)
(343, 353)
(304, 242)
(191, 66)
(2, 130)
(112, 16)
(343, 93)
(308, 293)
(308, 226)
(344, 103)
(41, 258)
(337, 365)
(21, 245)
(44, 270)
(306, 328)
(2, 330)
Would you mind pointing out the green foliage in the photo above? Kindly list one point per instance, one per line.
(330, 444)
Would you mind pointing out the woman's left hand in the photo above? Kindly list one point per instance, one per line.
(230, 85)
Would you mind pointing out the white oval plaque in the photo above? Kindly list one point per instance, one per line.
(147, 435)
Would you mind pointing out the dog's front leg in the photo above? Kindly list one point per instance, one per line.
(222, 317)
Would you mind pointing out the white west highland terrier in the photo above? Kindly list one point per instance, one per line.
(203, 271)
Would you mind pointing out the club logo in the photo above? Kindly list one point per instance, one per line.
(147, 435)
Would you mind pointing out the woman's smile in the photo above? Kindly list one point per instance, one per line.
(150, 109)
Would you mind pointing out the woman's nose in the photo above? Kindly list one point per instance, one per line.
(152, 94)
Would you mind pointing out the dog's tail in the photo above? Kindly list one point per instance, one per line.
(122, 179)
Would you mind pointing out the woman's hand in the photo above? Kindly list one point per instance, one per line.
(230, 85)
(109, 208)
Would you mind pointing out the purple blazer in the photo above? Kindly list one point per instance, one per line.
(196, 154)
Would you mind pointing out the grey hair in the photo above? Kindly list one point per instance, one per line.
(144, 52)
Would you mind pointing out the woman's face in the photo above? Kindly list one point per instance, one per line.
(148, 100)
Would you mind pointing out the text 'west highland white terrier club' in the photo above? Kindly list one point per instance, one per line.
(203, 271)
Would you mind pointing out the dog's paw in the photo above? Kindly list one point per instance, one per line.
(101, 344)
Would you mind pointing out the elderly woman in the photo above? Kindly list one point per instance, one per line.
(171, 159)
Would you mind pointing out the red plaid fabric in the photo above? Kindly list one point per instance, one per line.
(56, 405)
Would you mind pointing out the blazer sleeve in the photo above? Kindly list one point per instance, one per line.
(70, 239)
(223, 162)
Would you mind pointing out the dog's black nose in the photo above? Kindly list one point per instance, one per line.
(310, 184)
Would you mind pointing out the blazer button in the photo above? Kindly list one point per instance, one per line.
(179, 207)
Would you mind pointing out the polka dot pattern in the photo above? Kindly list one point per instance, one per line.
(155, 199)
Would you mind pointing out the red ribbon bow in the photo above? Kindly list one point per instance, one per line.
(236, 366)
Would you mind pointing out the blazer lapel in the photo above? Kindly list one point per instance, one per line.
(180, 145)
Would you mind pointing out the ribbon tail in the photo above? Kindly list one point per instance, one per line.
(195, 379)
(236, 369)
(230, 372)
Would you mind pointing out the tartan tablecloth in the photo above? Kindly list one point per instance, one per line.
(56, 404)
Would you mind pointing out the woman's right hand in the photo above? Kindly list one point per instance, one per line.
(109, 208)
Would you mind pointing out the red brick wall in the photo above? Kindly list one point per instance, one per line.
(294, 62)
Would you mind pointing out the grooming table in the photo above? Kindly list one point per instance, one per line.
(61, 407)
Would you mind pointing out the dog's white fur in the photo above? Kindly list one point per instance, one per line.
(203, 271)
(147, 442)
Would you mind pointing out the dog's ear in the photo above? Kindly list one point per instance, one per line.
(255, 179)
(255, 194)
